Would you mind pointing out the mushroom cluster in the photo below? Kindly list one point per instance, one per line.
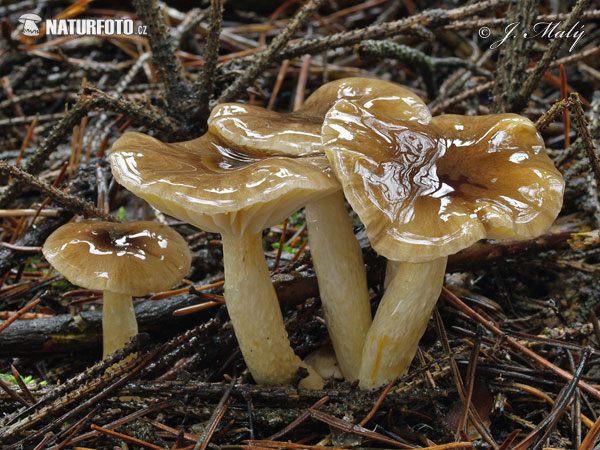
(220, 189)
(423, 187)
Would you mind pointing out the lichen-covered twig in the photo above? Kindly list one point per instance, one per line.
(192, 18)
(587, 140)
(487, 86)
(144, 113)
(577, 147)
(270, 54)
(426, 65)
(179, 95)
(514, 59)
(34, 163)
(91, 98)
(207, 75)
(70, 202)
(548, 117)
(100, 130)
(379, 31)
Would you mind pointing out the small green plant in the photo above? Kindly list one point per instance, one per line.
(28, 380)
(61, 285)
(286, 248)
(122, 213)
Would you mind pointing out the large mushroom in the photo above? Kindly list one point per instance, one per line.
(122, 260)
(425, 190)
(210, 185)
(335, 252)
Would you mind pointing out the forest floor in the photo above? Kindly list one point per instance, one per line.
(511, 356)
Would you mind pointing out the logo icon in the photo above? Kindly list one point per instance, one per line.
(29, 22)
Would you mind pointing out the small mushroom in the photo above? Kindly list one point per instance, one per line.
(29, 22)
(218, 189)
(122, 260)
(324, 362)
(335, 252)
(425, 190)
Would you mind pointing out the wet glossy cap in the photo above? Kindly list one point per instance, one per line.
(299, 133)
(212, 186)
(429, 190)
(128, 258)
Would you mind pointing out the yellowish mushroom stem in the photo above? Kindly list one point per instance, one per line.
(256, 315)
(118, 322)
(400, 321)
(391, 269)
(342, 278)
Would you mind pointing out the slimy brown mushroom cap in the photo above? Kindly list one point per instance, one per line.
(425, 191)
(299, 133)
(129, 258)
(122, 260)
(215, 187)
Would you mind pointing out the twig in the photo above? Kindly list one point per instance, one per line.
(216, 417)
(272, 52)
(131, 439)
(180, 99)
(29, 212)
(349, 427)
(34, 163)
(23, 310)
(24, 389)
(95, 399)
(559, 407)
(486, 252)
(128, 418)
(513, 60)
(487, 86)
(75, 428)
(520, 101)
(584, 131)
(460, 305)
(298, 420)
(548, 117)
(6, 388)
(426, 65)
(473, 413)
(509, 439)
(206, 78)
(591, 437)
(119, 88)
(427, 18)
(144, 113)
(540, 394)
(70, 202)
(43, 442)
(281, 242)
(470, 382)
(563, 95)
(378, 403)
(472, 24)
